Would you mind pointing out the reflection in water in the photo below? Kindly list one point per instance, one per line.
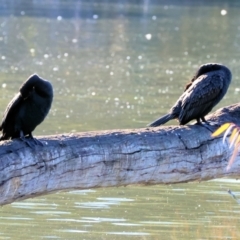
(103, 204)
(178, 212)
(34, 205)
(118, 64)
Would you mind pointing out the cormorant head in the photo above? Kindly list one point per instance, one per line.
(205, 68)
(27, 87)
(38, 85)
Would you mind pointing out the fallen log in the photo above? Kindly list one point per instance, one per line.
(164, 155)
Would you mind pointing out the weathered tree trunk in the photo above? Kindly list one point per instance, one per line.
(147, 156)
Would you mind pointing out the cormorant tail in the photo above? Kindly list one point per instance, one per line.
(161, 120)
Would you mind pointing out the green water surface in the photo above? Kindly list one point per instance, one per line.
(116, 65)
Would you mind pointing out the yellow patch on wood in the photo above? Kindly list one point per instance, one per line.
(221, 129)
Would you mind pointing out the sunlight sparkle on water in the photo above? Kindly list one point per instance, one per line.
(237, 89)
(148, 36)
(223, 12)
(169, 71)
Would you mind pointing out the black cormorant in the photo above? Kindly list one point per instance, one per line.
(205, 91)
(27, 109)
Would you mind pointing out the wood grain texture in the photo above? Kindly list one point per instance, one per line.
(164, 155)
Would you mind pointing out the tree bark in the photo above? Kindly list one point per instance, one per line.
(164, 155)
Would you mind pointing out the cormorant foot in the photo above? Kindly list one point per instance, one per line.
(214, 124)
(202, 121)
(28, 141)
(37, 142)
(207, 125)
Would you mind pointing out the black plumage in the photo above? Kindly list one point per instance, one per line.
(205, 91)
(27, 109)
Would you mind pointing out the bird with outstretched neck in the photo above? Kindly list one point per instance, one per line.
(27, 110)
(205, 91)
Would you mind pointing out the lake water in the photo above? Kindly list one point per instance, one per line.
(116, 65)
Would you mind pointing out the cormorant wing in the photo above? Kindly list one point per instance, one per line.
(201, 97)
(11, 110)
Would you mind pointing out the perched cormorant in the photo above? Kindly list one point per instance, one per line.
(27, 109)
(205, 91)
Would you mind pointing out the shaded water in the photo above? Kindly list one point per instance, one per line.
(118, 64)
